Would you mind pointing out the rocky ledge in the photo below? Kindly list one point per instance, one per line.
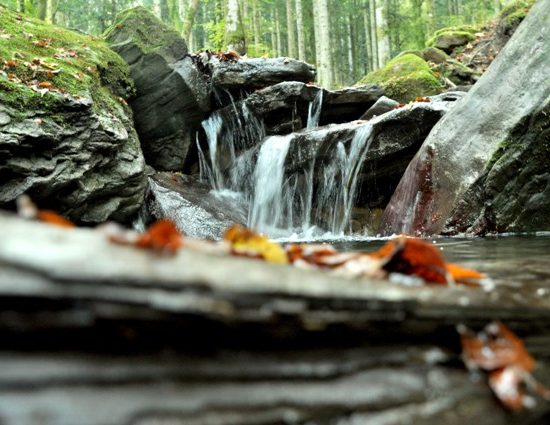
(201, 338)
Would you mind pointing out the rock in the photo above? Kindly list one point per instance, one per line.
(435, 55)
(256, 73)
(190, 204)
(448, 39)
(382, 105)
(398, 134)
(481, 143)
(196, 339)
(72, 147)
(509, 19)
(172, 97)
(404, 78)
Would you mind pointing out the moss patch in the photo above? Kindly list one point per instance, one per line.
(404, 78)
(41, 65)
(142, 28)
(512, 15)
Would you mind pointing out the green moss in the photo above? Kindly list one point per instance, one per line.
(404, 78)
(76, 65)
(512, 15)
(465, 36)
(459, 28)
(144, 29)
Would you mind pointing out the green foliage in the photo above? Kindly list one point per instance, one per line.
(404, 78)
(514, 12)
(69, 63)
(216, 35)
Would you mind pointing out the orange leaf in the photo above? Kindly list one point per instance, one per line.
(54, 218)
(463, 275)
(413, 257)
(45, 85)
(163, 235)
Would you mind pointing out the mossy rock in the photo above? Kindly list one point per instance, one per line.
(459, 28)
(139, 27)
(435, 55)
(404, 78)
(512, 15)
(448, 39)
(44, 65)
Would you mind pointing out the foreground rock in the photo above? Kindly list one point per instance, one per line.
(199, 339)
(70, 145)
(172, 97)
(482, 168)
(190, 204)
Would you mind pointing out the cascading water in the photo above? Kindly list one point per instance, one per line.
(314, 110)
(283, 203)
(269, 206)
(230, 132)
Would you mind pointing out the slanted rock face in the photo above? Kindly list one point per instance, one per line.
(196, 211)
(494, 140)
(70, 145)
(172, 97)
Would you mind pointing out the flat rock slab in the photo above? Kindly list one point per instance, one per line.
(204, 339)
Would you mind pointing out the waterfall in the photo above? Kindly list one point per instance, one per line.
(230, 132)
(269, 203)
(314, 110)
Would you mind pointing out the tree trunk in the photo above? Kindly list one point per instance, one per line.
(374, 38)
(290, 25)
(21, 6)
(322, 34)
(278, 34)
(383, 39)
(234, 30)
(300, 30)
(189, 19)
(256, 26)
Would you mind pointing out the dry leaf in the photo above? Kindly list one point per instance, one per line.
(501, 353)
(54, 218)
(247, 243)
(163, 235)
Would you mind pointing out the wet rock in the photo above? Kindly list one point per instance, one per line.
(172, 97)
(397, 135)
(255, 73)
(382, 105)
(480, 142)
(196, 338)
(190, 204)
(78, 161)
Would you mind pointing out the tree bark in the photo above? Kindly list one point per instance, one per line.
(290, 25)
(189, 19)
(383, 38)
(300, 30)
(234, 31)
(322, 34)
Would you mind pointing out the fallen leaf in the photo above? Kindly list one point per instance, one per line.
(163, 235)
(413, 257)
(501, 353)
(54, 218)
(247, 243)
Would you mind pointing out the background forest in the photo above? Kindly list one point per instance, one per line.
(345, 39)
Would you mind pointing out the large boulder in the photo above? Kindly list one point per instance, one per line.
(67, 139)
(404, 78)
(172, 97)
(483, 167)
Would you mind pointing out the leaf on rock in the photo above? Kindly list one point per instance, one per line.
(162, 235)
(53, 218)
(413, 257)
(501, 353)
(247, 243)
